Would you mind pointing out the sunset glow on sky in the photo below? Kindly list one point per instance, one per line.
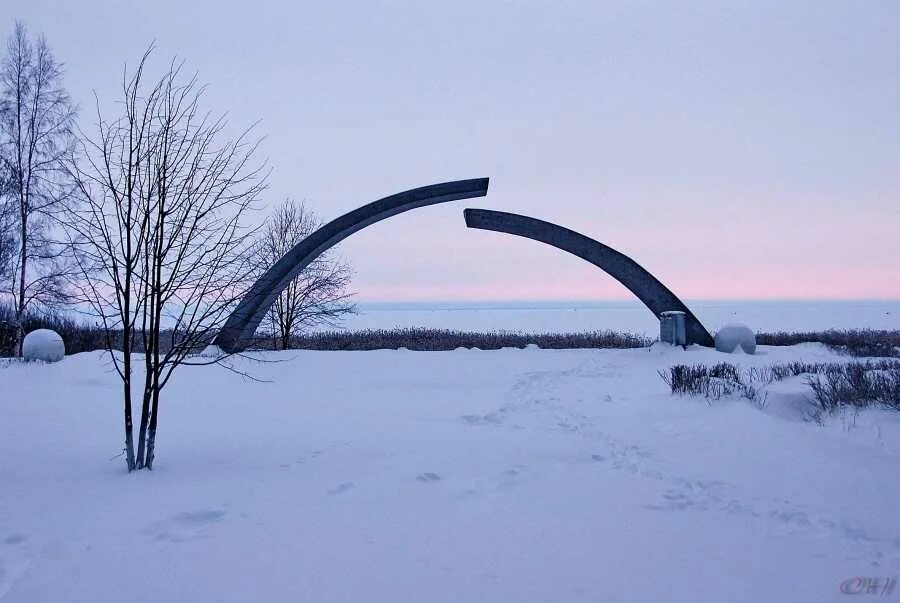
(735, 150)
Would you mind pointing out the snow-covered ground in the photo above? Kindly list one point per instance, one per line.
(514, 475)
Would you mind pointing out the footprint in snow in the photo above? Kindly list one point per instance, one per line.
(13, 563)
(14, 539)
(428, 477)
(187, 525)
(487, 419)
(302, 459)
(341, 488)
(513, 476)
(202, 516)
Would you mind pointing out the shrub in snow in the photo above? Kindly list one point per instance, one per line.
(833, 384)
(43, 344)
(442, 339)
(714, 382)
(857, 342)
(857, 384)
(734, 336)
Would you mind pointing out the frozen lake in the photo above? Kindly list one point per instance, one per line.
(626, 315)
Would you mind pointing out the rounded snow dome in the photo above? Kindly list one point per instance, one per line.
(43, 344)
(734, 336)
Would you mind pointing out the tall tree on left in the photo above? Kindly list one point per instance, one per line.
(7, 226)
(37, 121)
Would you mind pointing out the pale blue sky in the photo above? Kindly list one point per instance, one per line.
(735, 149)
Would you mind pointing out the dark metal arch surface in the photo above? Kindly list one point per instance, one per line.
(243, 322)
(644, 285)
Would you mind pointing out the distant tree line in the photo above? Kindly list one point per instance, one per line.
(80, 337)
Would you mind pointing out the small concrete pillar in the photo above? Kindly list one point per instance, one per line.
(671, 328)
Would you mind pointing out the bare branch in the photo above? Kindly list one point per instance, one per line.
(161, 231)
(320, 294)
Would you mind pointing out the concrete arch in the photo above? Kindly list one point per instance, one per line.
(243, 322)
(644, 285)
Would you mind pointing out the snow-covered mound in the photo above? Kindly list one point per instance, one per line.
(733, 336)
(43, 344)
(514, 475)
(212, 352)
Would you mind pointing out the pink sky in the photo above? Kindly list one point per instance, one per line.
(745, 150)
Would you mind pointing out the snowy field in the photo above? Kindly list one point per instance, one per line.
(555, 317)
(513, 475)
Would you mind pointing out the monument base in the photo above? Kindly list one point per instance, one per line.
(671, 328)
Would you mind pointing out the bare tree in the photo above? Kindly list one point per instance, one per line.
(7, 229)
(36, 134)
(320, 294)
(160, 233)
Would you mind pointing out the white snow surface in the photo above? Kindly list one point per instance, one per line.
(512, 475)
(735, 337)
(43, 344)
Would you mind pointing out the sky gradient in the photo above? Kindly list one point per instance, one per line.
(736, 150)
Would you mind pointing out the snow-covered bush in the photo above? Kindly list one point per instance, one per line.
(43, 344)
(857, 384)
(833, 384)
(712, 382)
(212, 351)
(734, 336)
(856, 342)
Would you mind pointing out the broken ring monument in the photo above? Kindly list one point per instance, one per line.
(644, 285)
(676, 318)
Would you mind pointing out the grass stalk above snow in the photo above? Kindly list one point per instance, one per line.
(832, 384)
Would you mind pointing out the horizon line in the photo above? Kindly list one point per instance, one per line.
(623, 300)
